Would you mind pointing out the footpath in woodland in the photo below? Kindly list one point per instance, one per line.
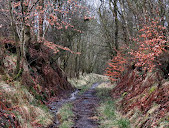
(90, 106)
(85, 109)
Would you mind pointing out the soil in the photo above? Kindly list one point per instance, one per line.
(85, 109)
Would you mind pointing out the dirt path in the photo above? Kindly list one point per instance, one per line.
(85, 109)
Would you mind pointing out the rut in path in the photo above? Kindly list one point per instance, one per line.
(85, 109)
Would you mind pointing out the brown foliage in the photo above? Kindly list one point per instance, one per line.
(138, 92)
(46, 78)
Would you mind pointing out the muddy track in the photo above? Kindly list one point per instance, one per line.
(56, 105)
(85, 109)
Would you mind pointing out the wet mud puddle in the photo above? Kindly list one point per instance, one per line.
(85, 109)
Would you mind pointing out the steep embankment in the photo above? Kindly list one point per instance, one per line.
(143, 99)
(45, 72)
(20, 109)
(23, 97)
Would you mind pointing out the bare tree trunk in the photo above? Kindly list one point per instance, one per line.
(162, 11)
(41, 20)
(107, 33)
(16, 40)
(114, 11)
(134, 10)
(125, 26)
(116, 25)
(25, 38)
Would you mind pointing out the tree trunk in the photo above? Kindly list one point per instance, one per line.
(114, 11)
(41, 20)
(16, 37)
(124, 21)
(116, 25)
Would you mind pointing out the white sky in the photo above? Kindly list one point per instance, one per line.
(96, 3)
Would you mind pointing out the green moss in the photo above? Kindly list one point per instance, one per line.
(152, 89)
(123, 123)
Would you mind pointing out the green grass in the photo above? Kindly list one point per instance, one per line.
(108, 115)
(67, 115)
(152, 89)
(106, 109)
(123, 123)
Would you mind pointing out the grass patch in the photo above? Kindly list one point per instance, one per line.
(123, 123)
(108, 115)
(66, 116)
(152, 89)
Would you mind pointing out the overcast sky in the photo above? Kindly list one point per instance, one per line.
(96, 3)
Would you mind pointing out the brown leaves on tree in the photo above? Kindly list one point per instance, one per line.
(116, 66)
(150, 44)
